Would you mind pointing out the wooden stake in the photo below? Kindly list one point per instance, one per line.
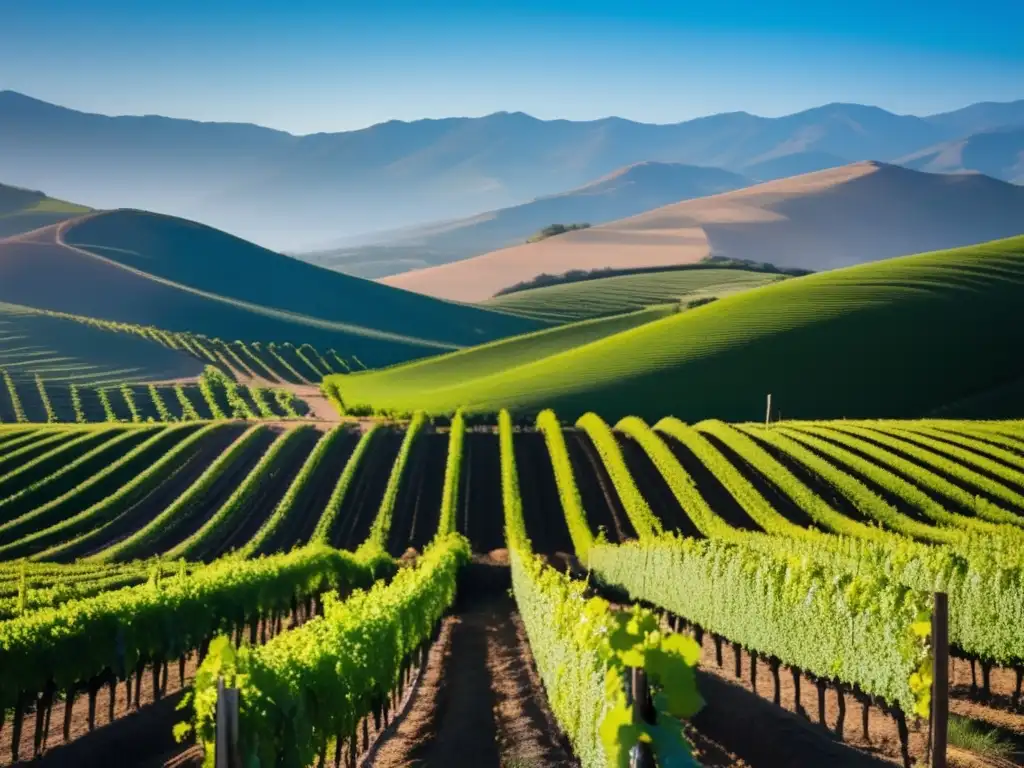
(940, 678)
(768, 411)
(643, 756)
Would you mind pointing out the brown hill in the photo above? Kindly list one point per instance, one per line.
(824, 220)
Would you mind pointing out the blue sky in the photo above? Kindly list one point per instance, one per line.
(321, 65)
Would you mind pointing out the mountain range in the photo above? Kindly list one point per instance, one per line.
(296, 192)
(627, 192)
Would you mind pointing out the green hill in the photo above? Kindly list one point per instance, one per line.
(489, 359)
(181, 276)
(22, 210)
(626, 293)
(897, 338)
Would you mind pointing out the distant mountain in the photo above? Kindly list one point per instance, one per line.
(294, 192)
(149, 269)
(835, 218)
(998, 153)
(22, 210)
(626, 192)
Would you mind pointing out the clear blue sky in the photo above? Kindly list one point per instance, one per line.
(327, 65)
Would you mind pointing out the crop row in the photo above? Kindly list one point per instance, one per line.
(214, 397)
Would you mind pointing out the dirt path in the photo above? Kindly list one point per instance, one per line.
(479, 701)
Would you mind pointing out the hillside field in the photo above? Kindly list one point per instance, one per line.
(627, 293)
(898, 338)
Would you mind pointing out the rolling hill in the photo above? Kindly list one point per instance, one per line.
(22, 210)
(294, 192)
(574, 301)
(148, 269)
(998, 153)
(898, 338)
(626, 192)
(824, 220)
(61, 350)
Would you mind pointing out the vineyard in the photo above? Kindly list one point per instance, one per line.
(330, 576)
(213, 396)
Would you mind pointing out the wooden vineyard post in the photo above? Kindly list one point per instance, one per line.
(226, 755)
(940, 679)
(768, 411)
(643, 756)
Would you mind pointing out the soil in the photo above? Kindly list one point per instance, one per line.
(779, 501)
(710, 487)
(600, 500)
(362, 501)
(542, 507)
(761, 733)
(479, 700)
(481, 516)
(213, 499)
(67, 455)
(313, 497)
(655, 489)
(178, 480)
(418, 506)
(272, 489)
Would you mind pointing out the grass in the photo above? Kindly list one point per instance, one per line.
(891, 339)
(973, 736)
(404, 381)
(626, 293)
(215, 284)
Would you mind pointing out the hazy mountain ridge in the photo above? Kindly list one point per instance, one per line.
(294, 191)
(626, 192)
(820, 221)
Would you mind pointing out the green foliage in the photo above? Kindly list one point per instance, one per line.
(286, 402)
(859, 628)
(580, 294)
(219, 524)
(208, 385)
(452, 475)
(189, 412)
(862, 497)
(76, 405)
(51, 415)
(159, 404)
(285, 510)
(66, 538)
(639, 512)
(806, 499)
(382, 522)
(678, 479)
(309, 685)
(553, 230)
(17, 534)
(108, 408)
(12, 392)
(954, 469)
(114, 630)
(182, 507)
(259, 396)
(433, 381)
(975, 737)
(920, 316)
(565, 480)
(908, 492)
(129, 399)
(324, 525)
(584, 650)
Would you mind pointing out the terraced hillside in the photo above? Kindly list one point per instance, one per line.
(569, 302)
(150, 270)
(899, 338)
(687, 513)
